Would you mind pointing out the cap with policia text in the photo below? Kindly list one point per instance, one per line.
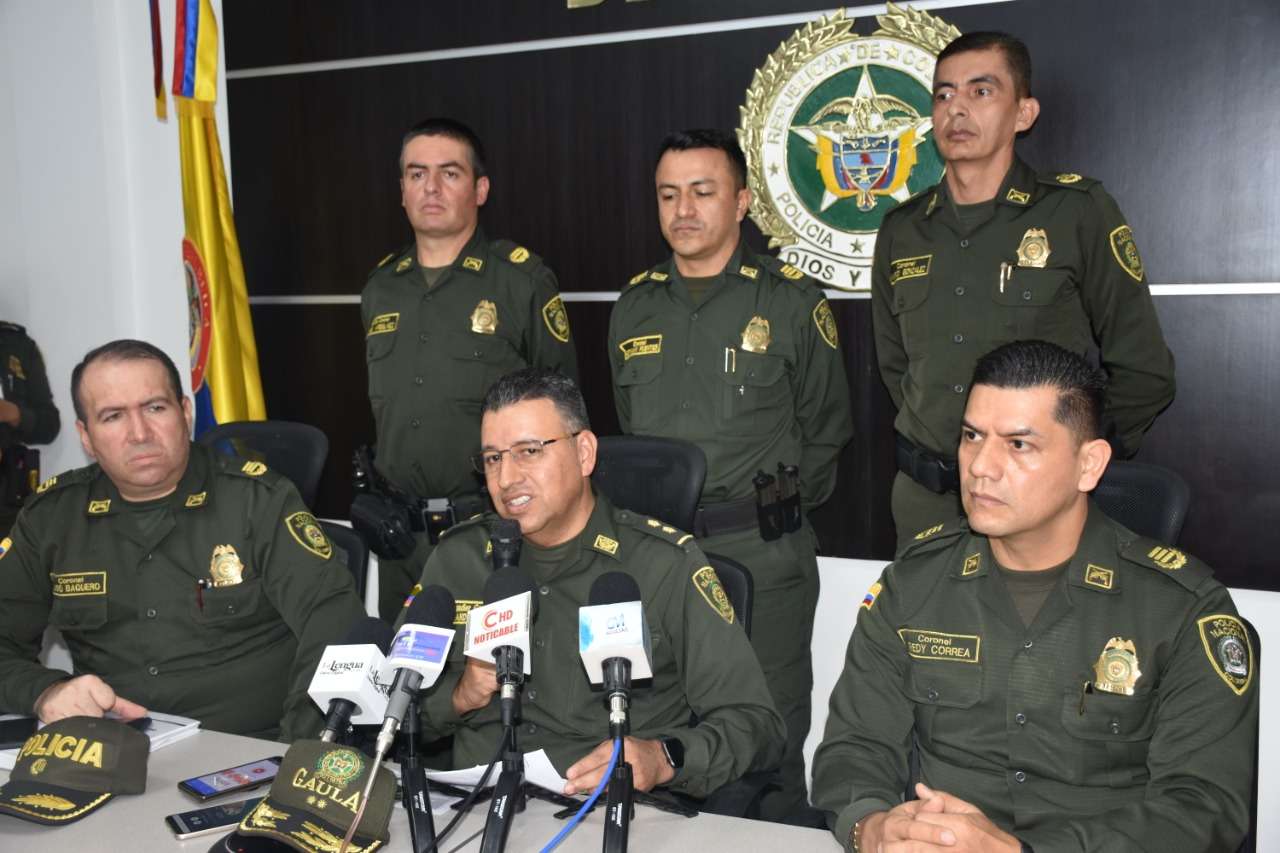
(73, 767)
(315, 798)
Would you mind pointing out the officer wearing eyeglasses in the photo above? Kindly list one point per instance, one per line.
(537, 455)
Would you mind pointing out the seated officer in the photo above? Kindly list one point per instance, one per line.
(1065, 684)
(181, 579)
(537, 453)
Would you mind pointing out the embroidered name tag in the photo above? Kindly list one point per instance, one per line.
(909, 268)
(924, 644)
(73, 584)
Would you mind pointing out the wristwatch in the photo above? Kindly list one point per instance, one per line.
(674, 750)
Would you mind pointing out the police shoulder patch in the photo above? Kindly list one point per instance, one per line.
(826, 323)
(707, 583)
(1229, 648)
(1125, 251)
(306, 532)
(556, 319)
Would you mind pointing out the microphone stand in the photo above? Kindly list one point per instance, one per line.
(413, 781)
(619, 809)
(508, 793)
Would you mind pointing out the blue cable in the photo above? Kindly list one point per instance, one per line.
(591, 801)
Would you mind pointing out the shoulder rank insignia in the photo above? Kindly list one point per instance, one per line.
(927, 532)
(1068, 178)
(473, 264)
(933, 203)
(225, 568)
(748, 272)
(707, 582)
(1170, 559)
(659, 276)
(1116, 670)
(638, 277)
(484, 319)
(46, 485)
(605, 544)
(518, 255)
(307, 533)
(756, 337)
(384, 261)
(826, 323)
(1126, 252)
(254, 469)
(404, 264)
(1033, 251)
(790, 272)
(15, 367)
(556, 318)
(1229, 648)
(1017, 196)
(383, 323)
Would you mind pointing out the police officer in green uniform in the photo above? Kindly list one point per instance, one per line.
(994, 253)
(738, 353)
(182, 580)
(443, 319)
(27, 416)
(537, 452)
(1053, 680)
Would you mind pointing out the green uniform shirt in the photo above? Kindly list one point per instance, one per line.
(237, 657)
(701, 659)
(1001, 714)
(688, 371)
(939, 302)
(26, 385)
(432, 354)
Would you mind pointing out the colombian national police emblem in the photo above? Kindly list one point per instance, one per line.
(837, 131)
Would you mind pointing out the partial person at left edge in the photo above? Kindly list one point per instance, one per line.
(27, 416)
(182, 580)
(444, 317)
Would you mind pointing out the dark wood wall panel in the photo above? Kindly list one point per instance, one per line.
(1168, 101)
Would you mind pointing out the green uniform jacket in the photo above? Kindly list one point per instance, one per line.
(432, 355)
(938, 305)
(238, 657)
(701, 660)
(681, 371)
(1001, 714)
(26, 385)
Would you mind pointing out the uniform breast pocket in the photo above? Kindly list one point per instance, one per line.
(236, 606)
(638, 380)
(942, 691)
(478, 361)
(78, 613)
(377, 353)
(1110, 734)
(907, 303)
(1031, 302)
(756, 396)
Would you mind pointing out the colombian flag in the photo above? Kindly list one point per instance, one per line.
(224, 356)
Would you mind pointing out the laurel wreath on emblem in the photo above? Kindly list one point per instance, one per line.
(911, 25)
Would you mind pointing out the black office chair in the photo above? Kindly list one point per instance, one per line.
(1147, 499)
(354, 551)
(659, 477)
(298, 451)
(738, 586)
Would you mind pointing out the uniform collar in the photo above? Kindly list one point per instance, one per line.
(191, 493)
(1094, 566)
(1018, 189)
(472, 260)
(601, 534)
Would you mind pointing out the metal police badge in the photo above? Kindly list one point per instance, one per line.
(834, 128)
(756, 337)
(1034, 250)
(1229, 649)
(225, 568)
(484, 319)
(1116, 670)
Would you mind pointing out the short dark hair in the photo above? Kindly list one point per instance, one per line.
(1081, 387)
(1016, 55)
(687, 140)
(125, 349)
(453, 129)
(539, 383)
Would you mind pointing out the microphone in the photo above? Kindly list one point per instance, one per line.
(346, 679)
(613, 642)
(417, 655)
(506, 541)
(499, 632)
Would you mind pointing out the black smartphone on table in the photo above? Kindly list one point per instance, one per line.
(14, 733)
(210, 819)
(242, 777)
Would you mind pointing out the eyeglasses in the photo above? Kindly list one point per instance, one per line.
(525, 454)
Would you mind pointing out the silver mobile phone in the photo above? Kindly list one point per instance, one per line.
(210, 819)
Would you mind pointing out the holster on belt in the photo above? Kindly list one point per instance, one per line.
(936, 473)
(768, 506)
(789, 497)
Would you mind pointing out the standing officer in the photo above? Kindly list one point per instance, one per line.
(181, 579)
(738, 353)
(1051, 679)
(27, 416)
(443, 319)
(537, 454)
(992, 254)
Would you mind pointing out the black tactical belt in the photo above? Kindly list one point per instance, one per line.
(935, 473)
(726, 517)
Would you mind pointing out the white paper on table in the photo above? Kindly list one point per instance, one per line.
(537, 769)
